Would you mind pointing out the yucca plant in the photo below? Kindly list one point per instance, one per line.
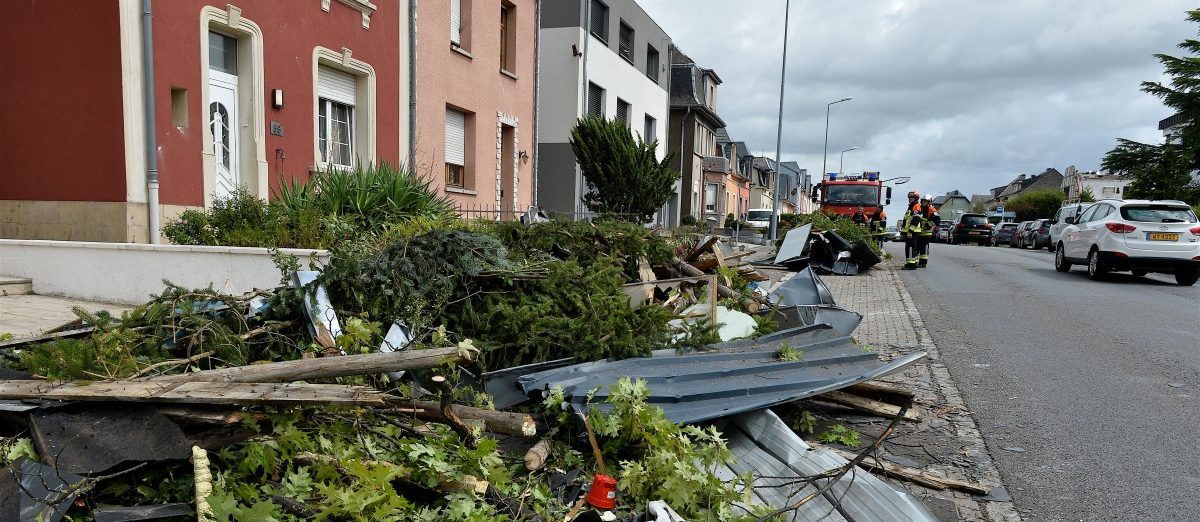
(371, 196)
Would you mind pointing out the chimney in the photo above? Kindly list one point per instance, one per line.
(1021, 177)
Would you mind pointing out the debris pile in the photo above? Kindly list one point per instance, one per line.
(457, 373)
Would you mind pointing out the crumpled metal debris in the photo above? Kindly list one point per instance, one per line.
(32, 492)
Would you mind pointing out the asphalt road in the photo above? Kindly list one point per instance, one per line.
(1087, 393)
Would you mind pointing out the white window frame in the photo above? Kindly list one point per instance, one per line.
(462, 165)
(325, 155)
(363, 135)
(716, 194)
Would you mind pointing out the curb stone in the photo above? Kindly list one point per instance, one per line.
(965, 427)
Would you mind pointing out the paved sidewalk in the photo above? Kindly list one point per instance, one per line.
(26, 315)
(947, 439)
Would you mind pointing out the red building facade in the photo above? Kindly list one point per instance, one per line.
(248, 93)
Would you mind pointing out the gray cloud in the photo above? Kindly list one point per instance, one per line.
(958, 94)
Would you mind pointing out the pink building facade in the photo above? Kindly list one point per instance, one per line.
(476, 66)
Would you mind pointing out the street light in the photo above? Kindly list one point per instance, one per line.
(825, 157)
(842, 160)
(899, 181)
(774, 228)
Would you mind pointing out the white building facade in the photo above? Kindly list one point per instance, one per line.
(602, 57)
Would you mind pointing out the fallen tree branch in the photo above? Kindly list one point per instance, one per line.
(295, 394)
(324, 367)
(503, 422)
(468, 483)
(172, 362)
(446, 407)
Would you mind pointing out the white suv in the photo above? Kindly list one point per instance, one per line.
(1137, 235)
(1059, 221)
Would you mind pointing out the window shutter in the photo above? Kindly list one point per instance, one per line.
(456, 22)
(595, 101)
(336, 85)
(456, 137)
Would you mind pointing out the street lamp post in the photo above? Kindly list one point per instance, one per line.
(825, 157)
(842, 160)
(774, 228)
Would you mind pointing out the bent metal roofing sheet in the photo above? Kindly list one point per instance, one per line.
(729, 378)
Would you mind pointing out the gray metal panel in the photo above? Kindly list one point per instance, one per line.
(793, 244)
(557, 188)
(774, 483)
(841, 319)
(734, 377)
(561, 13)
(804, 288)
(861, 496)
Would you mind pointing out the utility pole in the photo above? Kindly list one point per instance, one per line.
(774, 231)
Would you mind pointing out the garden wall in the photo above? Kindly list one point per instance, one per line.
(128, 273)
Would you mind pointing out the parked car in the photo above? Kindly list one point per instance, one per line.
(893, 235)
(1038, 236)
(942, 234)
(972, 228)
(1018, 236)
(1058, 222)
(1002, 233)
(1137, 235)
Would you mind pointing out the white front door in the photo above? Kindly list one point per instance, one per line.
(223, 125)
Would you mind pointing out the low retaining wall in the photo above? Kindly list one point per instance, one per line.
(128, 273)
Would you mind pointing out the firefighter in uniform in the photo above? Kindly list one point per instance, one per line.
(879, 226)
(912, 230)
(929, 216)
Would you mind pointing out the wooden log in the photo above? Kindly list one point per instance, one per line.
(916, 476)
(690, 270)
(872, 406)
(503, 422)
(704, 265)
(536, 457)
(322, 368)
(882, 392)
(242, 394)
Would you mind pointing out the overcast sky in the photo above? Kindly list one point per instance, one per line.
(958, 94)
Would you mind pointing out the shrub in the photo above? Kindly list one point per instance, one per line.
(369, 197)
(730, 221)
(687, 221)
(1036, 204)
(302, 215)
(849, 230)
(624, 176)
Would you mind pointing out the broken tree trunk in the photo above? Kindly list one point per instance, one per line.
(503, 422)
(196, 392)
(690, 270)
(323, 367)
(872, 406)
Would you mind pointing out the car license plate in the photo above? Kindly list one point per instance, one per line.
(1163, 236)
(974, 233)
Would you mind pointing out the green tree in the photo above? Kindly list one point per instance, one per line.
(1163, 171)
(623, 175)
(1087, 196)
(978, 207)
(1035, 204)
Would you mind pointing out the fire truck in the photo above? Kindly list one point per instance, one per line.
(844, 194)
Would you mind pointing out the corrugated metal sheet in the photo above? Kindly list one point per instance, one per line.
(764, 446)
(734, 377)
(803, 288)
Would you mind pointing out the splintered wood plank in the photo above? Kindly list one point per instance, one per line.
(195, 392)
(872, 406)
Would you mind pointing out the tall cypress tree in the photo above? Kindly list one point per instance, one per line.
(623, 176)
(1164, 171)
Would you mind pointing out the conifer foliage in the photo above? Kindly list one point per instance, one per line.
(1163, 171)
(624, 176)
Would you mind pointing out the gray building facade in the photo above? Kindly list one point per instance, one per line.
(603, 57)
